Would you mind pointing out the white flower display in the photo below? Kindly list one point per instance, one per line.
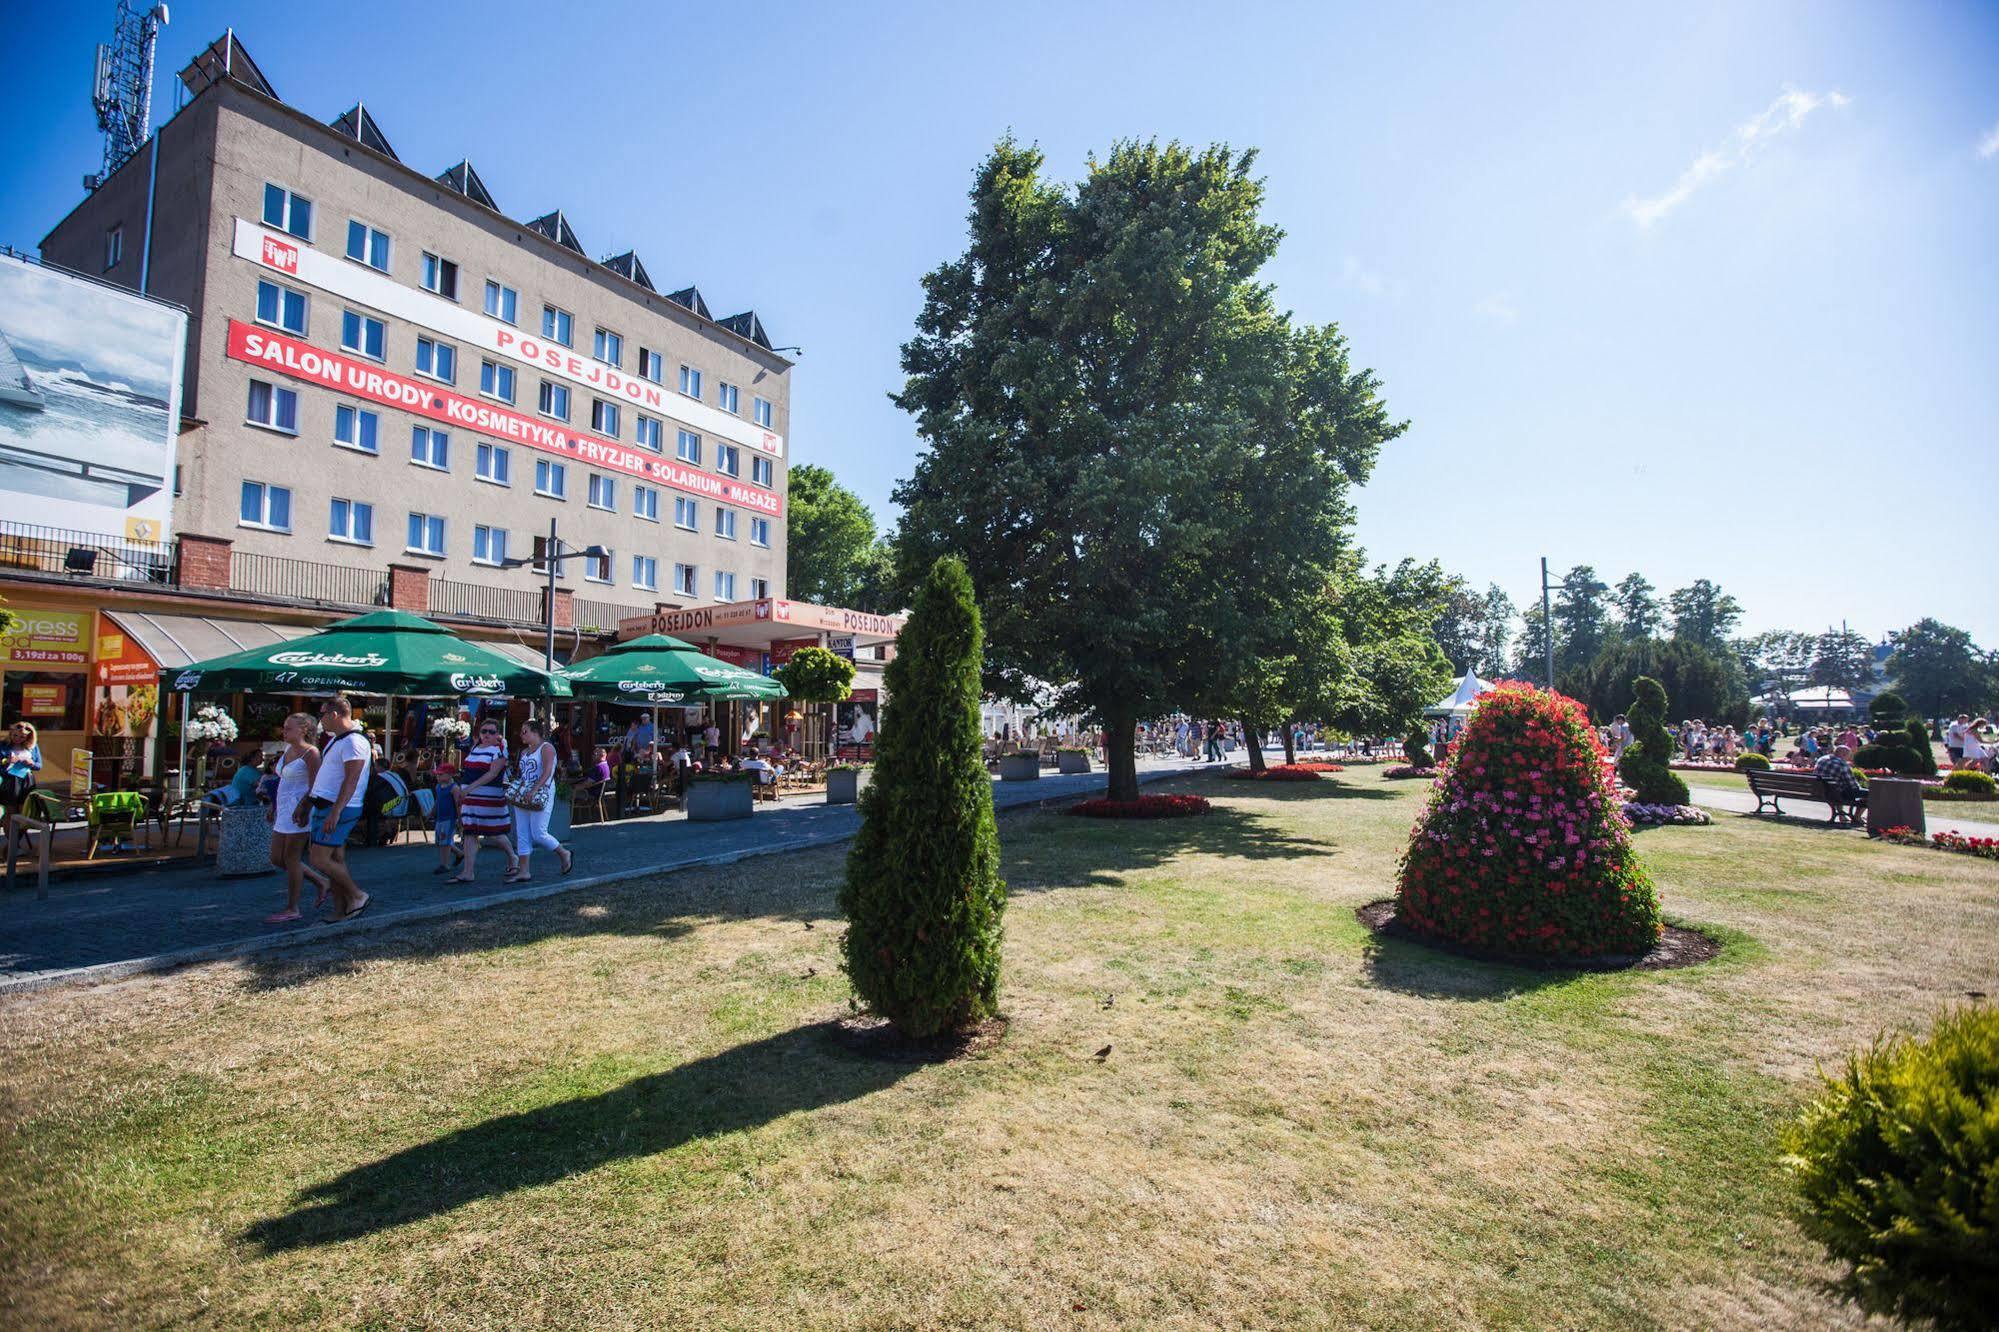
(211, 723)
(450, 728)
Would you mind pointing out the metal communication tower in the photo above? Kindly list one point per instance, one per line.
(123, 91)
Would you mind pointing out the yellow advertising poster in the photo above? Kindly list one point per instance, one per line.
(79, 772)
(41, 638)
(44, 700)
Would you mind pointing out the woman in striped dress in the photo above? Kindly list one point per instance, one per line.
(484, 816)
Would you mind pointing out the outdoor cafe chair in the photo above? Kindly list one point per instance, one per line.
(116, 814)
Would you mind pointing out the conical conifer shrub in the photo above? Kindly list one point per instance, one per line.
(1523, 848)
(923, 895)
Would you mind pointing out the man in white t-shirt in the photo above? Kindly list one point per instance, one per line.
(336, 799)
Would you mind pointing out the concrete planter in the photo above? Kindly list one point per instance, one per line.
(1020, 767)
(717, 802)
(243, 848)
(844, 788)
(1073, 763)
(1895, 804)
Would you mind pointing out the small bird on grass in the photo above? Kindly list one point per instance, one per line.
(1108, 1000)
(1103, 1054)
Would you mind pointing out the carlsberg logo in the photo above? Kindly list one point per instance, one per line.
(476, 684)
(328, 659)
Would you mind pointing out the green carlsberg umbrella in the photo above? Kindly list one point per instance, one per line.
(385, 652)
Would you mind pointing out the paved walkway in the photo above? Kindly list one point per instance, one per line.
(104, 927)
(1934, 812)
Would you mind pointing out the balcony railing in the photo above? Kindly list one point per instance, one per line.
(92, 557)
(474, 601)
(307, 580)
(603, 615)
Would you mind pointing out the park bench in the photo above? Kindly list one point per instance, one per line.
(1771, 786)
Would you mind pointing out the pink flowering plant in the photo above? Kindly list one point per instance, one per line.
(1523, 847)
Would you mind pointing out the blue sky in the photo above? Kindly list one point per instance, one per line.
(1672, 288)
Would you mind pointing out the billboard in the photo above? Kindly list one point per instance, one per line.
(90, 381)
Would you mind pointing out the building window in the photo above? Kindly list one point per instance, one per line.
(492, 464)
(356, 428)
(687, 447)
(609, 347)
(728, 460)
(496, 380)
(597, 568)
(281, 307)
(762, 471)
(437, 359)
(430, 448)
(683, 579)
(725, 523)
(550, 479)
(367, 245)
(351, 521)
(114, 247)
(539, 558)
(272, 407)
(651, 366)
(287, 211)
(363, 334)
(727, 398)
(489, 545)
(759, 588)
(686, 513)
(645, 503)
(761, 412)
(440, 276)
(426, 534)
(725, 586)
(604, 417)
(645, 573)
(554, 400)
(603, 492)
(558, 325)
(502, 302)
(266, 507)
(648, 433)
(690, 381)
(759, 531)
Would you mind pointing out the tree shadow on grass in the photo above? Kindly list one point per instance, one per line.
(1075, 852)
(1413, 968)
(741, 1088)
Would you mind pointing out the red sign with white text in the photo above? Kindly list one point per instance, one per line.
(303, 361)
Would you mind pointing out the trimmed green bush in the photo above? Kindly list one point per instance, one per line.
(1901, 749)
(1644, 765)
(1897, 1169)
(1967, 779)
(1887, 710)
(1417, 751)
(1919, 744)
(923, 895)
(816, 675)
(1744, 762)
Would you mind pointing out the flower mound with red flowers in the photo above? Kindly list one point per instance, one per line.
(1145, 807)
(1317, 765)
(1523, 848)
(1282, 772)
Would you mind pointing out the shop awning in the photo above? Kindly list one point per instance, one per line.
(520, 652)
(174, 641)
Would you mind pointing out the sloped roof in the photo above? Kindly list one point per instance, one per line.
(556, 227)
(464, 180)
(226, 58)
(358, 125)
(749, 326)
(691, 298)
(627, 265)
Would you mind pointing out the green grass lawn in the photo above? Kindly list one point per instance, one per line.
(635, 1107)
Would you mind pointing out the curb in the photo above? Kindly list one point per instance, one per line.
(101, 973)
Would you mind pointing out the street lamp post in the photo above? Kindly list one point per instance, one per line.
(552, 555)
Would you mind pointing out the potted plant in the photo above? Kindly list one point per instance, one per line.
(208, 725)
(1072, 760)
(716, 797)
(1020, 766)
(453, 733)
(843, 783)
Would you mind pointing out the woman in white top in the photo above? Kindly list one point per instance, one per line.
(1977, 754)
(537, 764)
(296, 769)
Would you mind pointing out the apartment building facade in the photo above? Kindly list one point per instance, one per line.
(384, 369)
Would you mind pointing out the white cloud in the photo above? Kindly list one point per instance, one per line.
(1744, 142)
(1498, 309)
(1989, 145)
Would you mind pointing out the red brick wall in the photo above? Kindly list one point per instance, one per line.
(409, 588)
(204, 561)
(565, 608)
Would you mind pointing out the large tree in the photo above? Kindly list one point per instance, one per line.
(1495, 633)
(1938, 668)
(1112, 407)
(1530, 649)
(832, 553)
(1704, 614)
(1700, 683)
(1582, 621)
(1842, 659)
(1777, 660)
(1637, 606)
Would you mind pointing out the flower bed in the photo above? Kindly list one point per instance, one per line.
(1986, 848)
(1145, 807)
(1974, 797)
(1654, 815)
(1317, 765)
(1405, 770)
(1281, 772)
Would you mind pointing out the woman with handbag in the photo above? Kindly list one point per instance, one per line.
(532, 794)
(483, 815)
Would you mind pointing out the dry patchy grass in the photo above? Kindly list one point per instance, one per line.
(623, 1108)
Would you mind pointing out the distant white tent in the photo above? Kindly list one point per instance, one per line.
(1821, 698)
(1462, 699)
